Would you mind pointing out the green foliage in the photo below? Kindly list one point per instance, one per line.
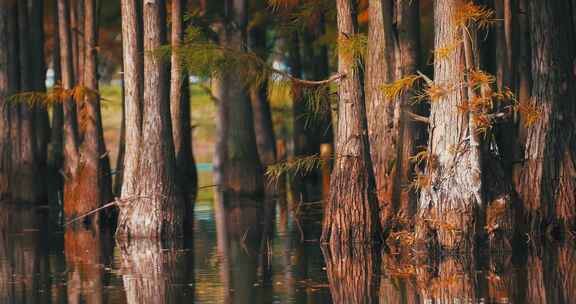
(301, 165)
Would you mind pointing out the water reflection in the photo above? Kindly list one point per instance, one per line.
(241, 253)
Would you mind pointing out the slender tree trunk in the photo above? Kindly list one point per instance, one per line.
(180, 108)
(157, 206)
(55, 153)
(133, 90)
(119, 172)
(351, 213)
(548, 180)
(41, 122)
(240, 170)
(411, 133)
(94, 174)
(4, 109)
(26, 168)
(381, 112)
(263, 126)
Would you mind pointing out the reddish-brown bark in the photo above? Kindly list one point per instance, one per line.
(351, 213)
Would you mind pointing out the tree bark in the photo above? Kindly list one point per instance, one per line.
(157, 208)
(382, 112)
(263, 126)
(55, 153)
(411, 132)
(449, 203)
(5, 147)
(26, 169)
(180, 108)
(41, 122)
(351, 212)
(547, 179)
(132, 49)
(238, 163)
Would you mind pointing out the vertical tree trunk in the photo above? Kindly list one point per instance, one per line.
(449, 203)
(133, 90)
(25, 167)
(263, 126)
(4, 109)
(547, 180)
(180, 108)
(351, 213)
(94, 174)
(119, 172)
(381, 111)
(157, 208)
(411, 133)
(55, 153)
(41, 123)
(240, 170)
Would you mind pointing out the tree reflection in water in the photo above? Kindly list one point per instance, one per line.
(241, 258)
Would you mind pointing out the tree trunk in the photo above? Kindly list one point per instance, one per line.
(548, 180)
(263, 125)
(449, 203)
(351, 213)
(41, 122)
(180, 109)
(382, 112)
(119, 172)
(156, 208)
(55, 153)
(133, 90)
(238, 163)
(5, 148)
(411, 133)
(95, 180)
(26, 168)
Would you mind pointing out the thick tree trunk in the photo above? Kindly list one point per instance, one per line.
(548, 180)
(26, 169)
(240, 170)
(157, 207)
(180, 108)
(450, 202)
(351, 214)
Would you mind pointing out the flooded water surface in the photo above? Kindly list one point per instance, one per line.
(234, 256)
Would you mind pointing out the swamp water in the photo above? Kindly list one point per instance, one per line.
(232, 257)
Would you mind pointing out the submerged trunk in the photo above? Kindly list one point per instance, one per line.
(155, 206)
(240, 170)
(351, 214)
(180, 108)
(547, 180)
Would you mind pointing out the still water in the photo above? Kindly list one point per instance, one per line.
(235, 257)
